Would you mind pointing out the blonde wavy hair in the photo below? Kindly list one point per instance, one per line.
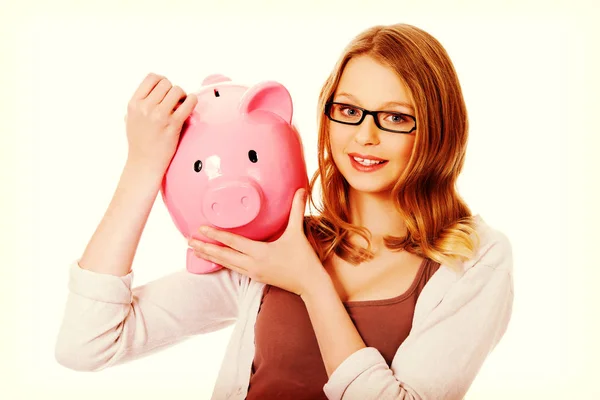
(439, 223)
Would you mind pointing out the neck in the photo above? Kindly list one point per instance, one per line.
(377, 213)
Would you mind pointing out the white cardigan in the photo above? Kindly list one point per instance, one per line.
(458, 320)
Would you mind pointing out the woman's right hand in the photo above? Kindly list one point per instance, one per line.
(155, 117)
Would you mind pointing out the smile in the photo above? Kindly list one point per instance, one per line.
(364, 164)
(367, 161)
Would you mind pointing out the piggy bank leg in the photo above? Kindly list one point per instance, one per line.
(197, 265)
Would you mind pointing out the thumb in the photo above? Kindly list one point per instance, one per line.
(296, 219)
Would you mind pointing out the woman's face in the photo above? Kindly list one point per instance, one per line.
(368, 84)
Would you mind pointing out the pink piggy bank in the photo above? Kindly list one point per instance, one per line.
(237, 166)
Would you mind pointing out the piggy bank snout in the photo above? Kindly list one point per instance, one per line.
(233, 203)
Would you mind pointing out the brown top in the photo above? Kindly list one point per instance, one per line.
(288, 363)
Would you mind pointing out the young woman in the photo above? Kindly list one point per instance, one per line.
(393, 290)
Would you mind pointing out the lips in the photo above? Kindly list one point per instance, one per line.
(365, 157)
(366, 160)
(364, 163)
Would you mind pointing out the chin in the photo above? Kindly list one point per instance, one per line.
(371, 186)
(369, 183)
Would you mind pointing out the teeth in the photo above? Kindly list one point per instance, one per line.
(366, 162)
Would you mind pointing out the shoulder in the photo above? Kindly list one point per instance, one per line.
(494, 250)
(486, 277)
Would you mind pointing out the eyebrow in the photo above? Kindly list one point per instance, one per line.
(389, 103)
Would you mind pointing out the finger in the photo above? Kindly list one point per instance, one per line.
(160, 90)
(216, 261)
(222, 254)
(296, 218)
(146, 86)
(236, 242)
(174, 96)
(185, 109)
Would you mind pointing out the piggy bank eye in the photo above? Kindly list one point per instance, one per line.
(253, 156)
(198, 166)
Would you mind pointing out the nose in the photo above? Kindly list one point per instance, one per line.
(231, 203)
(367, 132)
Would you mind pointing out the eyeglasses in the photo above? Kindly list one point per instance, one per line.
(385, 120)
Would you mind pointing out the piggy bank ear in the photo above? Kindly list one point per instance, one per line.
(215, 78)
(268, 96)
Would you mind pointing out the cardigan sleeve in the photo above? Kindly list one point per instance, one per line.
(442, 355)
(106, 322)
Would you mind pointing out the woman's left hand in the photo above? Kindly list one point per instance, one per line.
(289, 263)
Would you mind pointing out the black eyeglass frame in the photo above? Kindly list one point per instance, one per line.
(366, 112)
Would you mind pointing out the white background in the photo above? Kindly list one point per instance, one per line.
(525, 71)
